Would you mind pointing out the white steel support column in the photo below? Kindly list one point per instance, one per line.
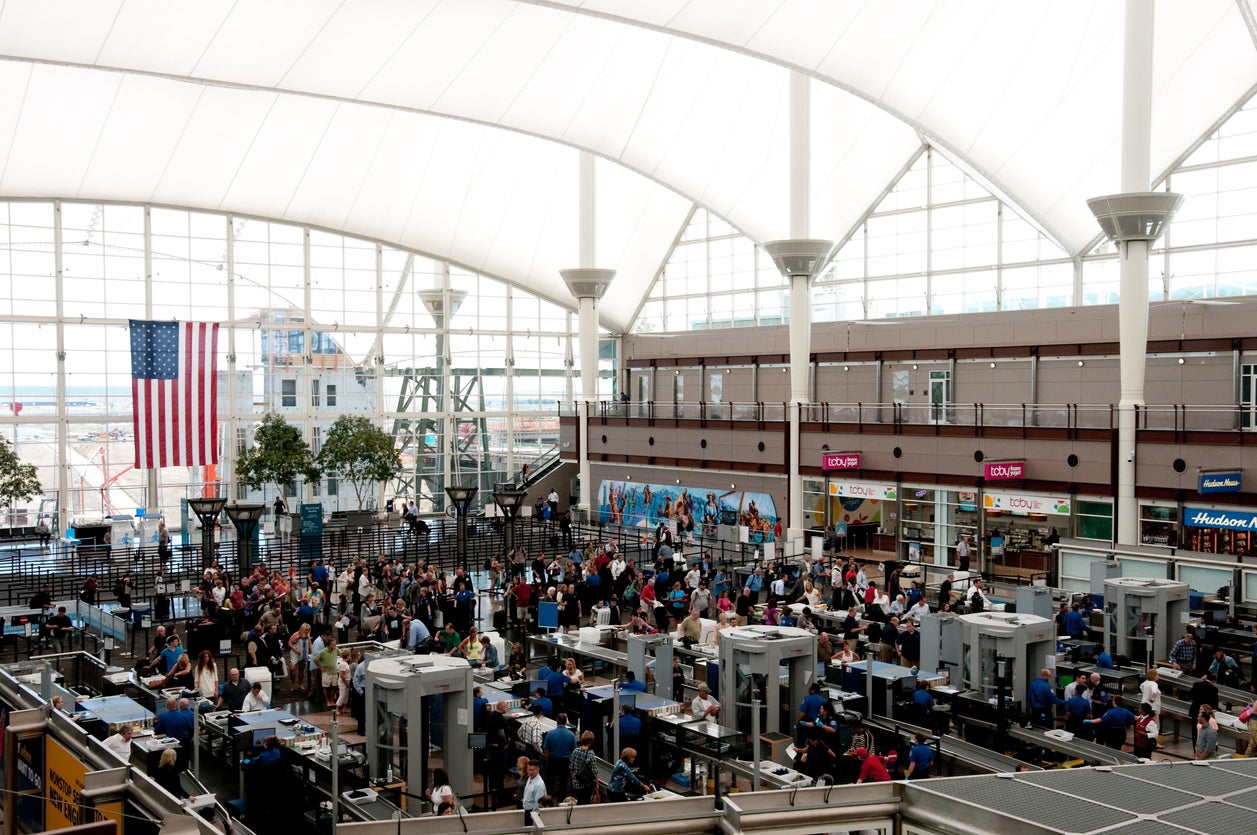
(306, 494)
(800, 155)
(228, 458)
(377, 373)
(1133, 292)
(800, 260)
(587, 284)
(152, 496)
(1134, 219)
(63, 426)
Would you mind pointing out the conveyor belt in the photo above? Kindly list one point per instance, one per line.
(1090, 752)
(1182, 684)
(1228, 724)
(981, 760)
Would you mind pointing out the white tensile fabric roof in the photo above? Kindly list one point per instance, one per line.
(453, 127)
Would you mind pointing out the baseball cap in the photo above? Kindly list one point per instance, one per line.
(861, 752)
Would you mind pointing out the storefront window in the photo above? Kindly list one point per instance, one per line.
(1158, 525)
(813, 502)
(933, 522)
(1095, 520)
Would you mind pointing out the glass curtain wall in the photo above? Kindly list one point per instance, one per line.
(1210, 249)
(939, 242)
(464, 370)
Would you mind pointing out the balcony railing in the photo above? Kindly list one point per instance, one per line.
(1179, 418)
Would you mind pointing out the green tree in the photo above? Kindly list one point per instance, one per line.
(18, 481)
(358, 450)
(279, 454)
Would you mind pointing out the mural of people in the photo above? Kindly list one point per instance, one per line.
(647, 505)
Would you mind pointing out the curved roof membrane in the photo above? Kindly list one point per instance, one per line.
(453, 127)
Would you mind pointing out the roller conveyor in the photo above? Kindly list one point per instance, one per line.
(1089, 752)
(980, 760)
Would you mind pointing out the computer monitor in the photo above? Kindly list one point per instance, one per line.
(629, 699)
(1085, 653)
(260, 735)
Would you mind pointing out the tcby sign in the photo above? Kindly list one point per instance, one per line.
(1004, 470)
(1015, 503)
(861, 490)
(841, 461)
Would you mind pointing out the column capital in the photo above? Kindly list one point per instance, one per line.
(1136, 215)
(434, 300)
(801, 256)
(587, 282)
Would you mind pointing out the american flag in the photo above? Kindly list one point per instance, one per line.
(175, 390)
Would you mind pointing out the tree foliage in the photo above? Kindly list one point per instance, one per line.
(361, 452)
(279, 454)
(18, 481)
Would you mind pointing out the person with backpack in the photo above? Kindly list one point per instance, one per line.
(1249, 716)
(976, 599)
(583, 767)
(122, 591)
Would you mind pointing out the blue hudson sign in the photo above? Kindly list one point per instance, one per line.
(1202, 517)
(1219, 482)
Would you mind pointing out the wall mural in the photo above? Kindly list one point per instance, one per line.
(848, 509)
(636, 504)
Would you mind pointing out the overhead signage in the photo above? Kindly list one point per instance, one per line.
(841, 461)
(1018, 503)
(1004, 470)
(1232, 520)
(1219, 482)
(864, 490)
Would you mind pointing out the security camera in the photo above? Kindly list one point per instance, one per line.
(1130, 456)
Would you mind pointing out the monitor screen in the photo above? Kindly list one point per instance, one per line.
(1085, 652)
(629, 699)
(260, 735)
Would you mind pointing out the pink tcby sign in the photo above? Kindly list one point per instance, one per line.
(1005, 470)
(841, 461)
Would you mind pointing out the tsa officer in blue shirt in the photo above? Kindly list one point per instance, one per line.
(1042, 698)
(541, 701)
(1074, 624)
(920, 758)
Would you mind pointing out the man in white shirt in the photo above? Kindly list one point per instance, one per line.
(778, 587)
(617, 567)
(861, 580)
(919, 610)
(975, 596)
(704, 706)
(693, 577)
(257, 698)
(534, 790)
(897, 606)
(120, 743)
(1077, 687)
